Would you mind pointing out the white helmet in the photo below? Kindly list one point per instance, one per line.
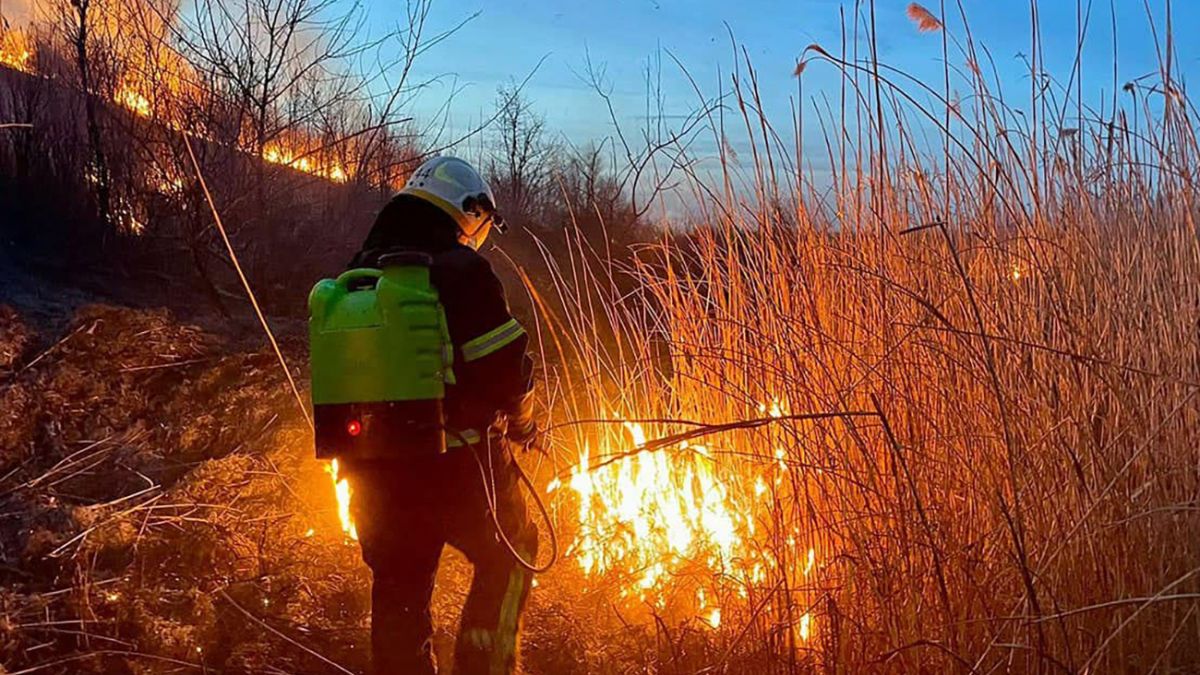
(457, 188)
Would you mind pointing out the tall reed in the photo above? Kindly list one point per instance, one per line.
(1012, 297)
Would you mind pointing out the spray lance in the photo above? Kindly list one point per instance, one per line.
(381, 359)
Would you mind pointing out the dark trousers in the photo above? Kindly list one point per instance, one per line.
(406, 512)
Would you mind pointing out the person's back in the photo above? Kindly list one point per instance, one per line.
(406, 510)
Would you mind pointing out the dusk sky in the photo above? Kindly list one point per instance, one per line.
(509, 38)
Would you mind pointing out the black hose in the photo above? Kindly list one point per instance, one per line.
(488, 478)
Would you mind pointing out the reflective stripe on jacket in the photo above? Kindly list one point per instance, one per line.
(493, 372)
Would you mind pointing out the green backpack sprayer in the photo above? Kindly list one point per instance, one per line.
(381, 357)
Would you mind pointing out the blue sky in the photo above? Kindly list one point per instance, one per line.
(509, 38)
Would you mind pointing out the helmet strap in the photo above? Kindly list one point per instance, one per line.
(470, 237)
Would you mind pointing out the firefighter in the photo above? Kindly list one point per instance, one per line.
(407, 510)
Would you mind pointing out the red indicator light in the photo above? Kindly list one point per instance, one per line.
(354, 428)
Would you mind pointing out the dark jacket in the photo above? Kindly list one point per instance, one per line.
(493, 373)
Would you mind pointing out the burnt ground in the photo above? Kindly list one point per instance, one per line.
(161, 511)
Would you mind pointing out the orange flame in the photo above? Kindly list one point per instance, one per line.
(341, 490)
(310, 163)
(152, 80)
(660, 514)
(15, 51)
(650, 512)
(804, 629)
(132, 99)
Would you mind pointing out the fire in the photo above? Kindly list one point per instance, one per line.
(156, 78)
(279, 153)
(15, 51)
(130, 98)
(653, 519)
(341, 490)
(805, 627)
(652, 512)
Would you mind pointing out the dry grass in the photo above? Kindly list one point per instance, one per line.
(1019, 309)
(154, 479)
(1013, 321)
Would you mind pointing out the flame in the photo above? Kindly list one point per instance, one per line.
(131, 98)
(155, 80)
(804, 629)
(310, 163)
(341, 490)
(15, 51)
(152, 80)
(650, 520)
(653, 512)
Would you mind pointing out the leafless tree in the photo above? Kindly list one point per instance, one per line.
(520, 164)
(278, 62)
(654, 164)
(293, 83)
(77, 25)
(592, 198)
